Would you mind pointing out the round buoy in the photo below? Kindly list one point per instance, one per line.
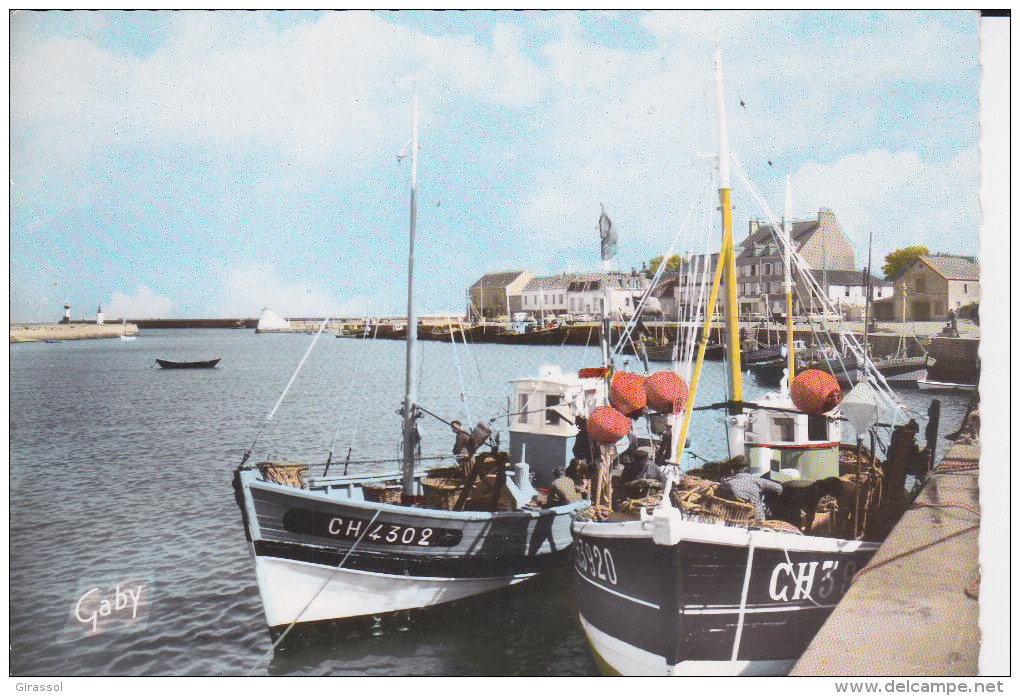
(607, 425)
(815, 391)
(627, 394)
(666, 391)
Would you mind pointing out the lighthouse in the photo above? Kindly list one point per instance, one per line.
(67, 313)
(99, 316)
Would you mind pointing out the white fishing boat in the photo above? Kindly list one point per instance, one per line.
(701, 580)
(124, 335)
(931, 385)
(331, 546)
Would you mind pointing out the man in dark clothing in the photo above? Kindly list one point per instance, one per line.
(582, 445)
(749, 488)
(462, 445)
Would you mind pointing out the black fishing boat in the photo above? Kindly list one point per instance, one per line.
(702, 577)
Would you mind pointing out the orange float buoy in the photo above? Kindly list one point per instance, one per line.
(666, 391)
(815, 391)
(627, 394)
(607, 425)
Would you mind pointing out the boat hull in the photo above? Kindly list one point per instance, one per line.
(287, 585)
(717, 600)
(197, 364)
(323, 556)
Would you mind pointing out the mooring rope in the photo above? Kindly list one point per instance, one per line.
(326, 581)
(970, 588)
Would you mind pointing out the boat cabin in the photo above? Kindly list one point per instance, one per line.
(542, 418)
(789, 444)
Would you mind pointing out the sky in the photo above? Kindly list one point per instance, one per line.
(210, 164)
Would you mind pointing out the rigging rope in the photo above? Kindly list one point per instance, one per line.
(279, 401)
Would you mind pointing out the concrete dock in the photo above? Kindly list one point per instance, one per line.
(24, 333)
(914, 610)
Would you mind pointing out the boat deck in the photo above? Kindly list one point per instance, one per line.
(915, 613)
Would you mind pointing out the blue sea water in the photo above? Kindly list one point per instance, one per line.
(120, 471)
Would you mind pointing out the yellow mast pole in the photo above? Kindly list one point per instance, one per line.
(727, 256)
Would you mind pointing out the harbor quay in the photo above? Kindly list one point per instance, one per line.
(27, 333)
(913, 610)
(956, 357)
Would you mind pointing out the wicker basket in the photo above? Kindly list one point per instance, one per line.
(779, 526)
(729, 511)
(445, 472)
(283, 473)
(441, 493)
(382, 493)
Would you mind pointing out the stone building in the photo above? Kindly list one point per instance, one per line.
(934, 284)
(822, 245)
(497, 295)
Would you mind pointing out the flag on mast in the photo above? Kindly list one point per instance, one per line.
(608, 233)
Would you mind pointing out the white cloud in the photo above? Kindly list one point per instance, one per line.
(143, 305)
(246, 290)
(896, 196)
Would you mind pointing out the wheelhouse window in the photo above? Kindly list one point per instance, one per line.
(782, 429)
(817, 427)
(522, 408)
(552, 417)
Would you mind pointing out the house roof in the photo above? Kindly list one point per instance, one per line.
(570, 281)
(497, 279)
(852, 278)
(763, 239)
(952, 267)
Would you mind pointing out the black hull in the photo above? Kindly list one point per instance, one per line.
(193, 365)
(683, 608)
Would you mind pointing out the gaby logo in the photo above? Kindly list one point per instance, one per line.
(103, 606)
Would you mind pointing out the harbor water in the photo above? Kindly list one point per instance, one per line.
(121, 472)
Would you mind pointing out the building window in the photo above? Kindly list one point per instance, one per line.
(964, 288)
(561, 299)
(754, 270)
(847, 292)
(767, 269)
(919, 285)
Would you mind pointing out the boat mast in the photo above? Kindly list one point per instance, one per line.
(727, 256)
(411, 367)
(787, 281)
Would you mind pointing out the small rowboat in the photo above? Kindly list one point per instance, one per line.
(174, 365)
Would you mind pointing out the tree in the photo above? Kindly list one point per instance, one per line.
(897, 260)
(675, 263)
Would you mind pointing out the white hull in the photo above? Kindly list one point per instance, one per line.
(287, 586)
(929, 385)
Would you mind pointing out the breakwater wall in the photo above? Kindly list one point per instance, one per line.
(27, 333)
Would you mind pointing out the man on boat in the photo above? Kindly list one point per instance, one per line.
(562, 490)
(462, 446)
(746, 487)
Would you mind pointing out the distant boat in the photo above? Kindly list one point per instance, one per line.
(271, 321)
(929, 385)
(123, 332)
(175, 365)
